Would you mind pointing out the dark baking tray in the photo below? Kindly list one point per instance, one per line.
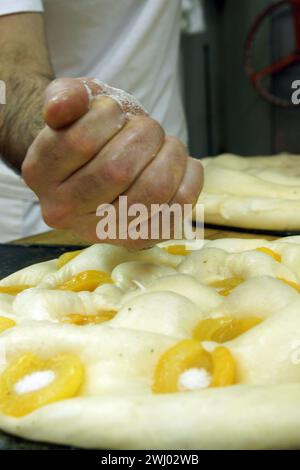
(273, 233)
(14, 257)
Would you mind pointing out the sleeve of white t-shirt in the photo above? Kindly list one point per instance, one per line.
(17, 6)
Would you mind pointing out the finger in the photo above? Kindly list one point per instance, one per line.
(191, 184)
(66, 100)
(127, 102)
(86, 225)
(118, 164)
(178, 208)
(58, 154)
(156, 185)
(187, 193)
(160, 180)
(71, 209)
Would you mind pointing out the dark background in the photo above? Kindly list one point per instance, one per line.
(230, 116)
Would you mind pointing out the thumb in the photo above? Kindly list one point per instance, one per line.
(66, 100)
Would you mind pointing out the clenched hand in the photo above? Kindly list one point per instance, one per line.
(90, 153)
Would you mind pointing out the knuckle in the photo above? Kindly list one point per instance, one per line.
(160, 189)
(116, 172)
(154, 127)
(145, 128)
(188, 195)
(164, 190)
(107, 106)
(30, 171)
(27, 170)
(79, 141)
(57, 215)
(176, 143)
(190, 188)
(198, 178)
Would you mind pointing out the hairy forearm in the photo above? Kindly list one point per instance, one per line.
(21, 116)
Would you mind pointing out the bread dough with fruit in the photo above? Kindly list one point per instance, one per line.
(253, 192)
(180, 346)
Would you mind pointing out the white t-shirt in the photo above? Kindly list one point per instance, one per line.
(130, 44)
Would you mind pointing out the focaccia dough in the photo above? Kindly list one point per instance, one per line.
(157, 299)
(253, 192)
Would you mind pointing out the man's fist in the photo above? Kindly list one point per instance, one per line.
(92, 151)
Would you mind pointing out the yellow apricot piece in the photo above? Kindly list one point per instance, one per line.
(222, 329)
(180, 250)
(68, 376)
(184, 355)
(86, 281)
(226, 286)
(66, 257)
(6, 323)
(268, 251)
(189, 354)
(13, 290)
(81, 320)
(292, 284)
(224, 369)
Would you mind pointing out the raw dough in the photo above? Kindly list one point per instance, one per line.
(253, 192)
(115, 407)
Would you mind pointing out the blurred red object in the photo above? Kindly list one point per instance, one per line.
(257, 77)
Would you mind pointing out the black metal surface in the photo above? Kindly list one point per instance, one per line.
(14, 257)
(273, 233)
(8, 442)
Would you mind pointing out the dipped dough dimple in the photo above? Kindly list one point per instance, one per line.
(53, 305)
(134, 273)
(214, 264)
(261, 297)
